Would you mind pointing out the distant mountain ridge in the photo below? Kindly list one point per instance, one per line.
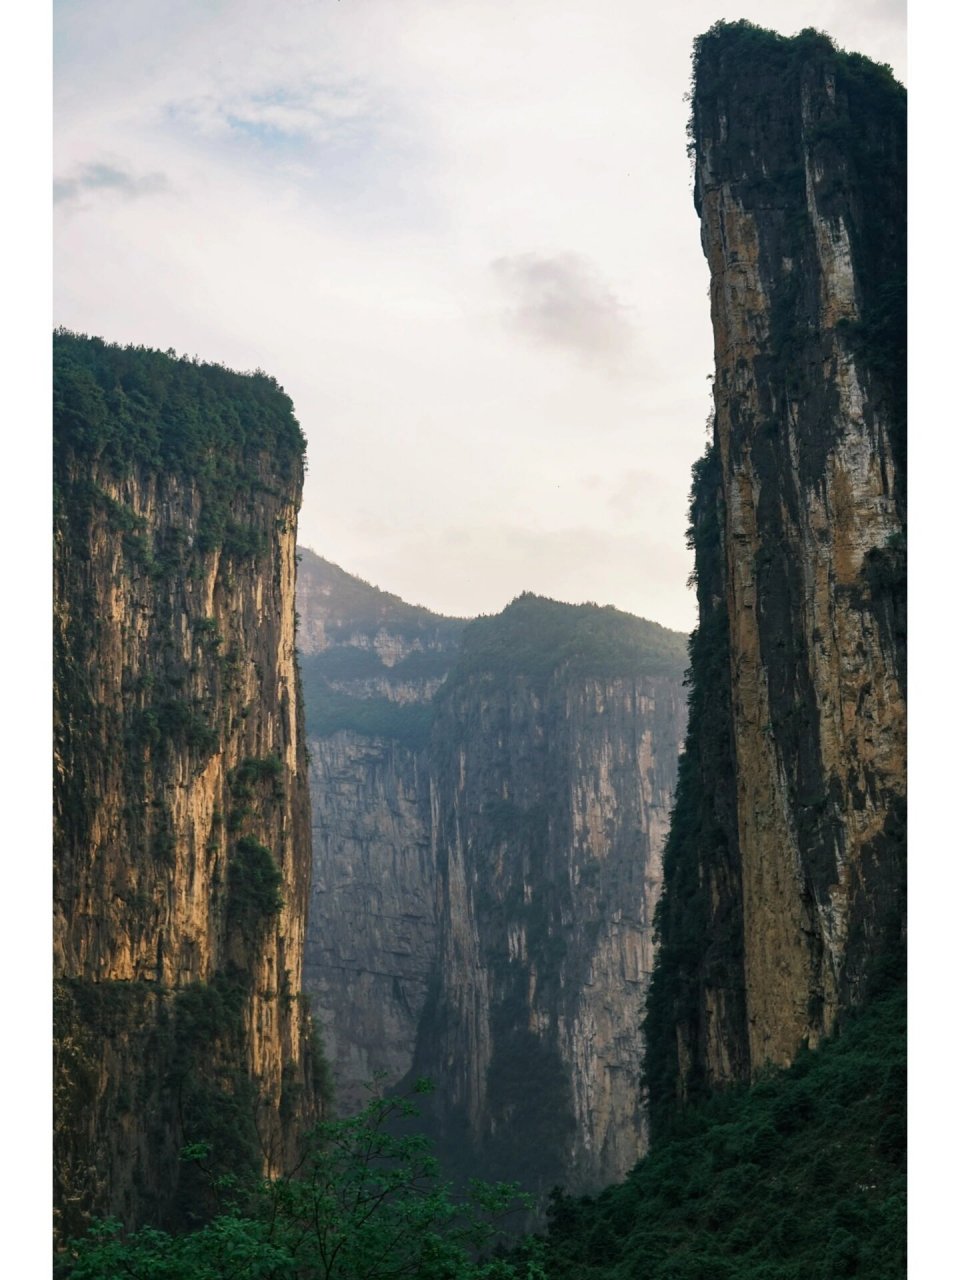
(490, 800)
(336, 602)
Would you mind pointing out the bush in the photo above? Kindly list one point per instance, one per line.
(253, 881)
(366, 1205)
(795, 1177)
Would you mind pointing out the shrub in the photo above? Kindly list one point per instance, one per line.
(253, 882)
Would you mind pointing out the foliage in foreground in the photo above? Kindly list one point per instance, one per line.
(800, 1177)
(366, 1204)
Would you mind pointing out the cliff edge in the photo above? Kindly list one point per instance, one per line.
(181, 827)
(792, 798)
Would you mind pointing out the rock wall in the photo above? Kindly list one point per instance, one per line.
(800, 186)
(696, 1020)
(487, 859)
(554, 765)
(371, 940)
(372, 664)
(181, 833)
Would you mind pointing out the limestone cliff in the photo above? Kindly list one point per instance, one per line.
(490, 803)
(181, 832)
(371, 666)
(554, 761)
(696, 1032)
(800, 186)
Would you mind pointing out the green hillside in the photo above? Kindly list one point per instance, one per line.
(800, 1177)
(355, 606)
(535, 637)
(118, 409)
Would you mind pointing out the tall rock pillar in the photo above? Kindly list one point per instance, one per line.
(801, 190)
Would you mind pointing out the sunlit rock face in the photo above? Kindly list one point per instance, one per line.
(800, 186)
(181, 833)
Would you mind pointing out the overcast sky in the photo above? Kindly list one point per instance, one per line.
(460, 234)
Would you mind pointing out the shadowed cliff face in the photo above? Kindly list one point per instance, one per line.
(696, 1031)
(181, 830)
(487, 858)
(554, 761)
(800, 184)
(371, 938)
(371, 666)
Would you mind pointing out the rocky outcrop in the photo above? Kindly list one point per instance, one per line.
(487, 860)
(800, 185)
(181, 832)
(554, 762)
(371, 666)
(371, 940)
(695, 1027)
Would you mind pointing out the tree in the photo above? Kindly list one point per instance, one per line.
(367, 1203)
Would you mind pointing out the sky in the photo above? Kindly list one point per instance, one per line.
(462, 237)
(460, 233)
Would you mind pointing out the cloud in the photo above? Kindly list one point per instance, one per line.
(634, 491)
(346, 176)
(886, 11)
(561, 301)
(316, 112)
(106, 177)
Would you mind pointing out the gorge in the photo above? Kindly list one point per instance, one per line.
(490, 803)
(635, 906)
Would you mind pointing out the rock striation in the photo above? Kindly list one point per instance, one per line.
(555, 750)
(485, 875)
(799, 527)
(371, 665)
(181, 829)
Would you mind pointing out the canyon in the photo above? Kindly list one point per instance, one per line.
(621, 897)
(485, 879)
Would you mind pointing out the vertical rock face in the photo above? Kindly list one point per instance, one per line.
(554, 762)
(800, 185)
(490, 802)
(371, 666)
(181, 831)
(696, 1029)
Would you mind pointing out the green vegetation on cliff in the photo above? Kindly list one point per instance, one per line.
(801, 1176)
(532, 638)
(328, 711)
(352, 606)
(191, 1086)
(174, 485)
(535, 637)
(346, 683)
(730, 49)
(699, 918)
(860, 142)
(121, 409)
(805, 145)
